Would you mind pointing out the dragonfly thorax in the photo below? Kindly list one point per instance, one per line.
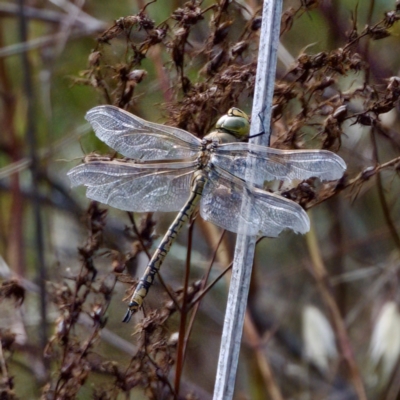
(208, 144)
(220, 136)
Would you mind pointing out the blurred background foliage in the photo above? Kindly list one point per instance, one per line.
(322, 320)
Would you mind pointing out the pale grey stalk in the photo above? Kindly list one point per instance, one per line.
(245, 245)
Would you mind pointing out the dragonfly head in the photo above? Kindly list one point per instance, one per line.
(235, 122)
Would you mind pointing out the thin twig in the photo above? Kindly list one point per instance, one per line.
(382, 198)
(180, 354)
(50, 16)
(44, 41)
(256, 344)
(3, 365)
(202, 286)
(14, 223)
(321, 276)
(214, 282)
(362, 177)
(35, 173)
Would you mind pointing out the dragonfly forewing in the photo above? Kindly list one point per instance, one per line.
(136, 138)
(135, 186)
(269, 215)
(273, 164)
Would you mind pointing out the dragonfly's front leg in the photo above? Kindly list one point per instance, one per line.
(154, 265)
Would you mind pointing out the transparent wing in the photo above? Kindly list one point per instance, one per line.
(269, 213)
(136, 138)
(135, 187)
(270, 164)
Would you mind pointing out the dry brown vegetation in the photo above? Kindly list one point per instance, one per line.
(202, 59)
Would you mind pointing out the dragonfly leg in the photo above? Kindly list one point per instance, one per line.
(264, 128)
(155, 263)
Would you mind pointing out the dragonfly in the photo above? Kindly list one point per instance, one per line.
(169, 169)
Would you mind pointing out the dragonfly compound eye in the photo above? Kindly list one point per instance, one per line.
(235, 122)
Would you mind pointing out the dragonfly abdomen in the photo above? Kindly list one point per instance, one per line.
(199, 181)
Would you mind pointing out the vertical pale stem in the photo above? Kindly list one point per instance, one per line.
(245, 245)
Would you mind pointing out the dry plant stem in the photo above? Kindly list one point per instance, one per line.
(382, 199)
(212, 234)
(11, 10)
(197, 304)
(30, 135)
(363, 176)
(320, 275)
(256, 344)
(138, 235)
(71, 325)
(89, 341)
(84, 320)
(367, 42)
(162, 76)
(210, 286)
(338, 240)
(88, 344)
(3, 365)
(382, 280)
(68, 25)
(169, 292)
(59, 386)
(43, 41)
(160, 375)
(14, 224)
(394, 387)
(381, 194)
(180, 354)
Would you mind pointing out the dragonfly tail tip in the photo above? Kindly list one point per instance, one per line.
(133, 307)
(127, 316)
